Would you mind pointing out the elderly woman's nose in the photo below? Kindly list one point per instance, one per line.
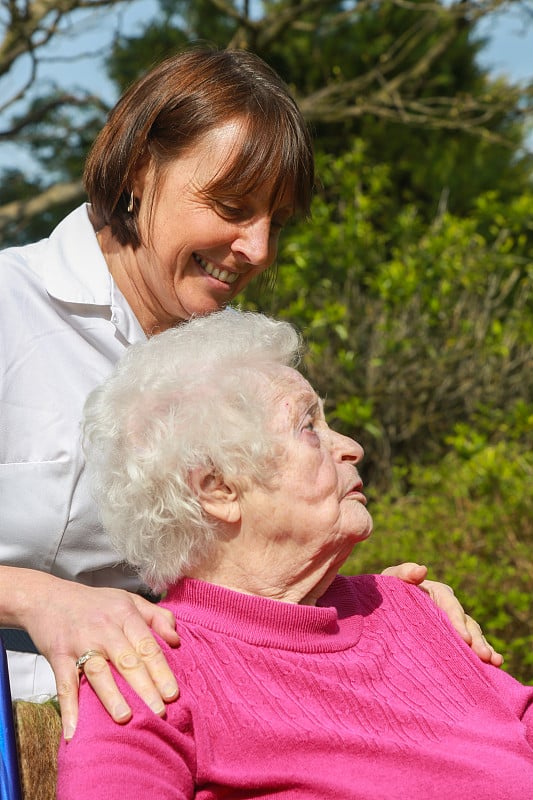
(347, 449)
(255, 243)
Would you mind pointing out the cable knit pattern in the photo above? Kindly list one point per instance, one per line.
(369, 695)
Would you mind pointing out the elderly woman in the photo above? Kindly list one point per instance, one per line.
(219, 480)
(190, 182)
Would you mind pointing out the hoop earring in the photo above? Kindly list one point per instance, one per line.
(131, 203)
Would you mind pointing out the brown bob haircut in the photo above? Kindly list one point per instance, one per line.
(167, 111)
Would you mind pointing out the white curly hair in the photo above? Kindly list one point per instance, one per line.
(189, 398)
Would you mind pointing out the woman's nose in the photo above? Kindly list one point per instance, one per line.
(256, 243)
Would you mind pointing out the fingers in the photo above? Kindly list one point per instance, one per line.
(138, 658)
(160, 619)
(483, 649)
(408, 572)
(66, 676)
(100, 676)
(145, 668)
(116, 623)
(443, 596)
(467, 628)
(164, 623)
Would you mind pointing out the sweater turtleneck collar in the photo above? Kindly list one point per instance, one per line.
(333, 625)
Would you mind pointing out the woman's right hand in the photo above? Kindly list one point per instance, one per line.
(66, 619)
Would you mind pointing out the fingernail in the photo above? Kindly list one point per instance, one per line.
(68, 731)
(158, 707)
(121, 711)
(170, 689)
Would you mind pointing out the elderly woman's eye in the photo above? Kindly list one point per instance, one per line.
(309, 426)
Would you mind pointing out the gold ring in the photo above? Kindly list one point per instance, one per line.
(82, 660)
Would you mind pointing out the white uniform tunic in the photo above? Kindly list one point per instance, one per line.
(63, 326)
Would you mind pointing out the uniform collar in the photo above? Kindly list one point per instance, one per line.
(77, 272)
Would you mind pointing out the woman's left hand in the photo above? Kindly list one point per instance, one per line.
(443, 596)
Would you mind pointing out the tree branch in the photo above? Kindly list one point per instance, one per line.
(22, 210)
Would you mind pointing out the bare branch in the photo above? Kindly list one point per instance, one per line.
(439, 112)
(258, 35)
(30, 28)
(36, 115)
(22, 210)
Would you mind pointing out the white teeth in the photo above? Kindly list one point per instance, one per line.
(220, 274)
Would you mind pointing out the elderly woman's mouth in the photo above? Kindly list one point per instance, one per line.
(357, 494)
(220, 274)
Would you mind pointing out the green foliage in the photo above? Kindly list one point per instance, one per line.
(179, 23)
(131, 56)
(412, 326)
(469, 517)
(429, 165)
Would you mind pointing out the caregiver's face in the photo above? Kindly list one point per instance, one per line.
(198, 253)
(317, 499)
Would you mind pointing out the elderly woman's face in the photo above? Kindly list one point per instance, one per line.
(197, 254)
(317, 500)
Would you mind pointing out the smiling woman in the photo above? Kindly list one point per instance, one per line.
(162, 117)
(191, 181)
(195, 252)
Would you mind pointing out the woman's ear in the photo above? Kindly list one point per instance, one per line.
(218, 498)
(142, 176)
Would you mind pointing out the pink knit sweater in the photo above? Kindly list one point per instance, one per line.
(371, 695)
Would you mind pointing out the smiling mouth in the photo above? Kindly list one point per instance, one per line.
(220, 274)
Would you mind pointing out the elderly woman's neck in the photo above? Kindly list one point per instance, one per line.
(303, 584)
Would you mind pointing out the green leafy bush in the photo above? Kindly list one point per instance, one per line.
(470, 519)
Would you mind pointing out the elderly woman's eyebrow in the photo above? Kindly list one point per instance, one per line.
(311, 406)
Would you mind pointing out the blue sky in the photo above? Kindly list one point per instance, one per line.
(509, 52)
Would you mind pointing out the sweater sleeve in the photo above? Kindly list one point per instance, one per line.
(518, 697)
(146, 757)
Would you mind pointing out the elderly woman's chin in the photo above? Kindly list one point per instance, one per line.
(369, 527)
(359, 524)
(355, 527)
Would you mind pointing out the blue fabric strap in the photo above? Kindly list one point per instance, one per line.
(17, 640)
(9, 770)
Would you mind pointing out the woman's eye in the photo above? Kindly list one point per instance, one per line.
(280, 222)
(227, 211)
